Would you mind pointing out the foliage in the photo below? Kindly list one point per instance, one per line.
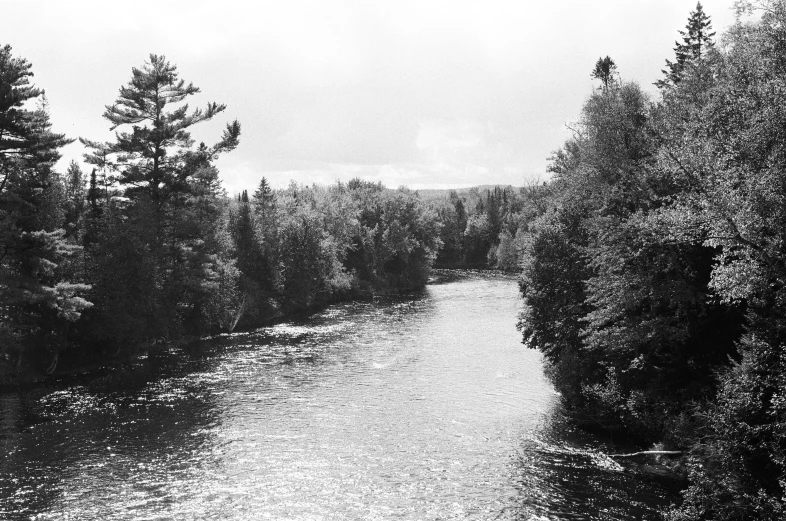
(155, 243)
(696, 42)
(40, 295)
(151, 156)
(165, 202)
(485, 229)
(737, 465)
(75, 201)
(729, 148)
(654, 281)
(604, 70)
(26, 138)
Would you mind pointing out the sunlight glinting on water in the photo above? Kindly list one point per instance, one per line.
(419, 408)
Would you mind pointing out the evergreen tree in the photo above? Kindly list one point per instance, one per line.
(94, 195)
(248, 251)
(264, 200)
(696, 41)
(263, 194)
(74, 200)
(264, 208)
(453, 217)
(150, 157)
(26, 138)
(604, 70)
(37, 299)
(100, 158)
(168, 187)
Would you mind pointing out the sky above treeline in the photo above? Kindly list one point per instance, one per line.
(428, 94)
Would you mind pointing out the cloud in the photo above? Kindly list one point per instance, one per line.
(436, 137)
(436, 90)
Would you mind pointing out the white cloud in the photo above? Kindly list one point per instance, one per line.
(439, 90)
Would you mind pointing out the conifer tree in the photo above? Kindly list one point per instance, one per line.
(171, 188)
(37, 300)
(263, 199)
(696, 41)
(100, 158)
(25, 135)
(152, 154)
(93, 195)
(604, 70)
(264, 210)
(263, 192)
(74, 199)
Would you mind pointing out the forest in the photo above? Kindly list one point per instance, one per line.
(654, 281)
(652, 261)
(149, 249)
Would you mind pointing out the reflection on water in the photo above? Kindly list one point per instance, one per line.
(426, 407)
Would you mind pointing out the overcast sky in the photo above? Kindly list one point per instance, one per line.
(427, 94)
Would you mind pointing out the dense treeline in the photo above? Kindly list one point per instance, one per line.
(653, 263)
(486, 228)
(150, 249)
(655, 279)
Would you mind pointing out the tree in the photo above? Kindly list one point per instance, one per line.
(151, 155)
(37, 299)
(170, 194)
(308, 263)
(615, 290)
(407, 240)
(604, 70)
(726, 146)
(263, 197)
(94, 195)
(266, 216)
(696, 41)
(100, 158)
(25, 135)
(266, 220)
(478, 239)
(507, 252)
(247, 246)
(450, 212)
(74, 199)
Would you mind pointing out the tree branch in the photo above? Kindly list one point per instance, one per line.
(648, 453)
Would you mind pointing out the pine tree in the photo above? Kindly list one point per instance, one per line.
(263, 193)
(696, 41)
(151, 156)
(37, 301)
(26, 138)
(170, 188)
(264, 201)
(604, 70)
(100, 158)
(94, 195)
(74, 199)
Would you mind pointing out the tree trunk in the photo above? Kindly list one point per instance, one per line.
(241, 310)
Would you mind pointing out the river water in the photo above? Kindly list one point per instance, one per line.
(424, 407)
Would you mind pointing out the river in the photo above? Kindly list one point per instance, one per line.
(424, 407)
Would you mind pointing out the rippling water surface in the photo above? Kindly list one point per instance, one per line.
(419, 408)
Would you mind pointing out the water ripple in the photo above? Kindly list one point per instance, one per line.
(418, 408)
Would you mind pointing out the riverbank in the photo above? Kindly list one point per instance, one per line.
(413, 407)
(81, 361)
